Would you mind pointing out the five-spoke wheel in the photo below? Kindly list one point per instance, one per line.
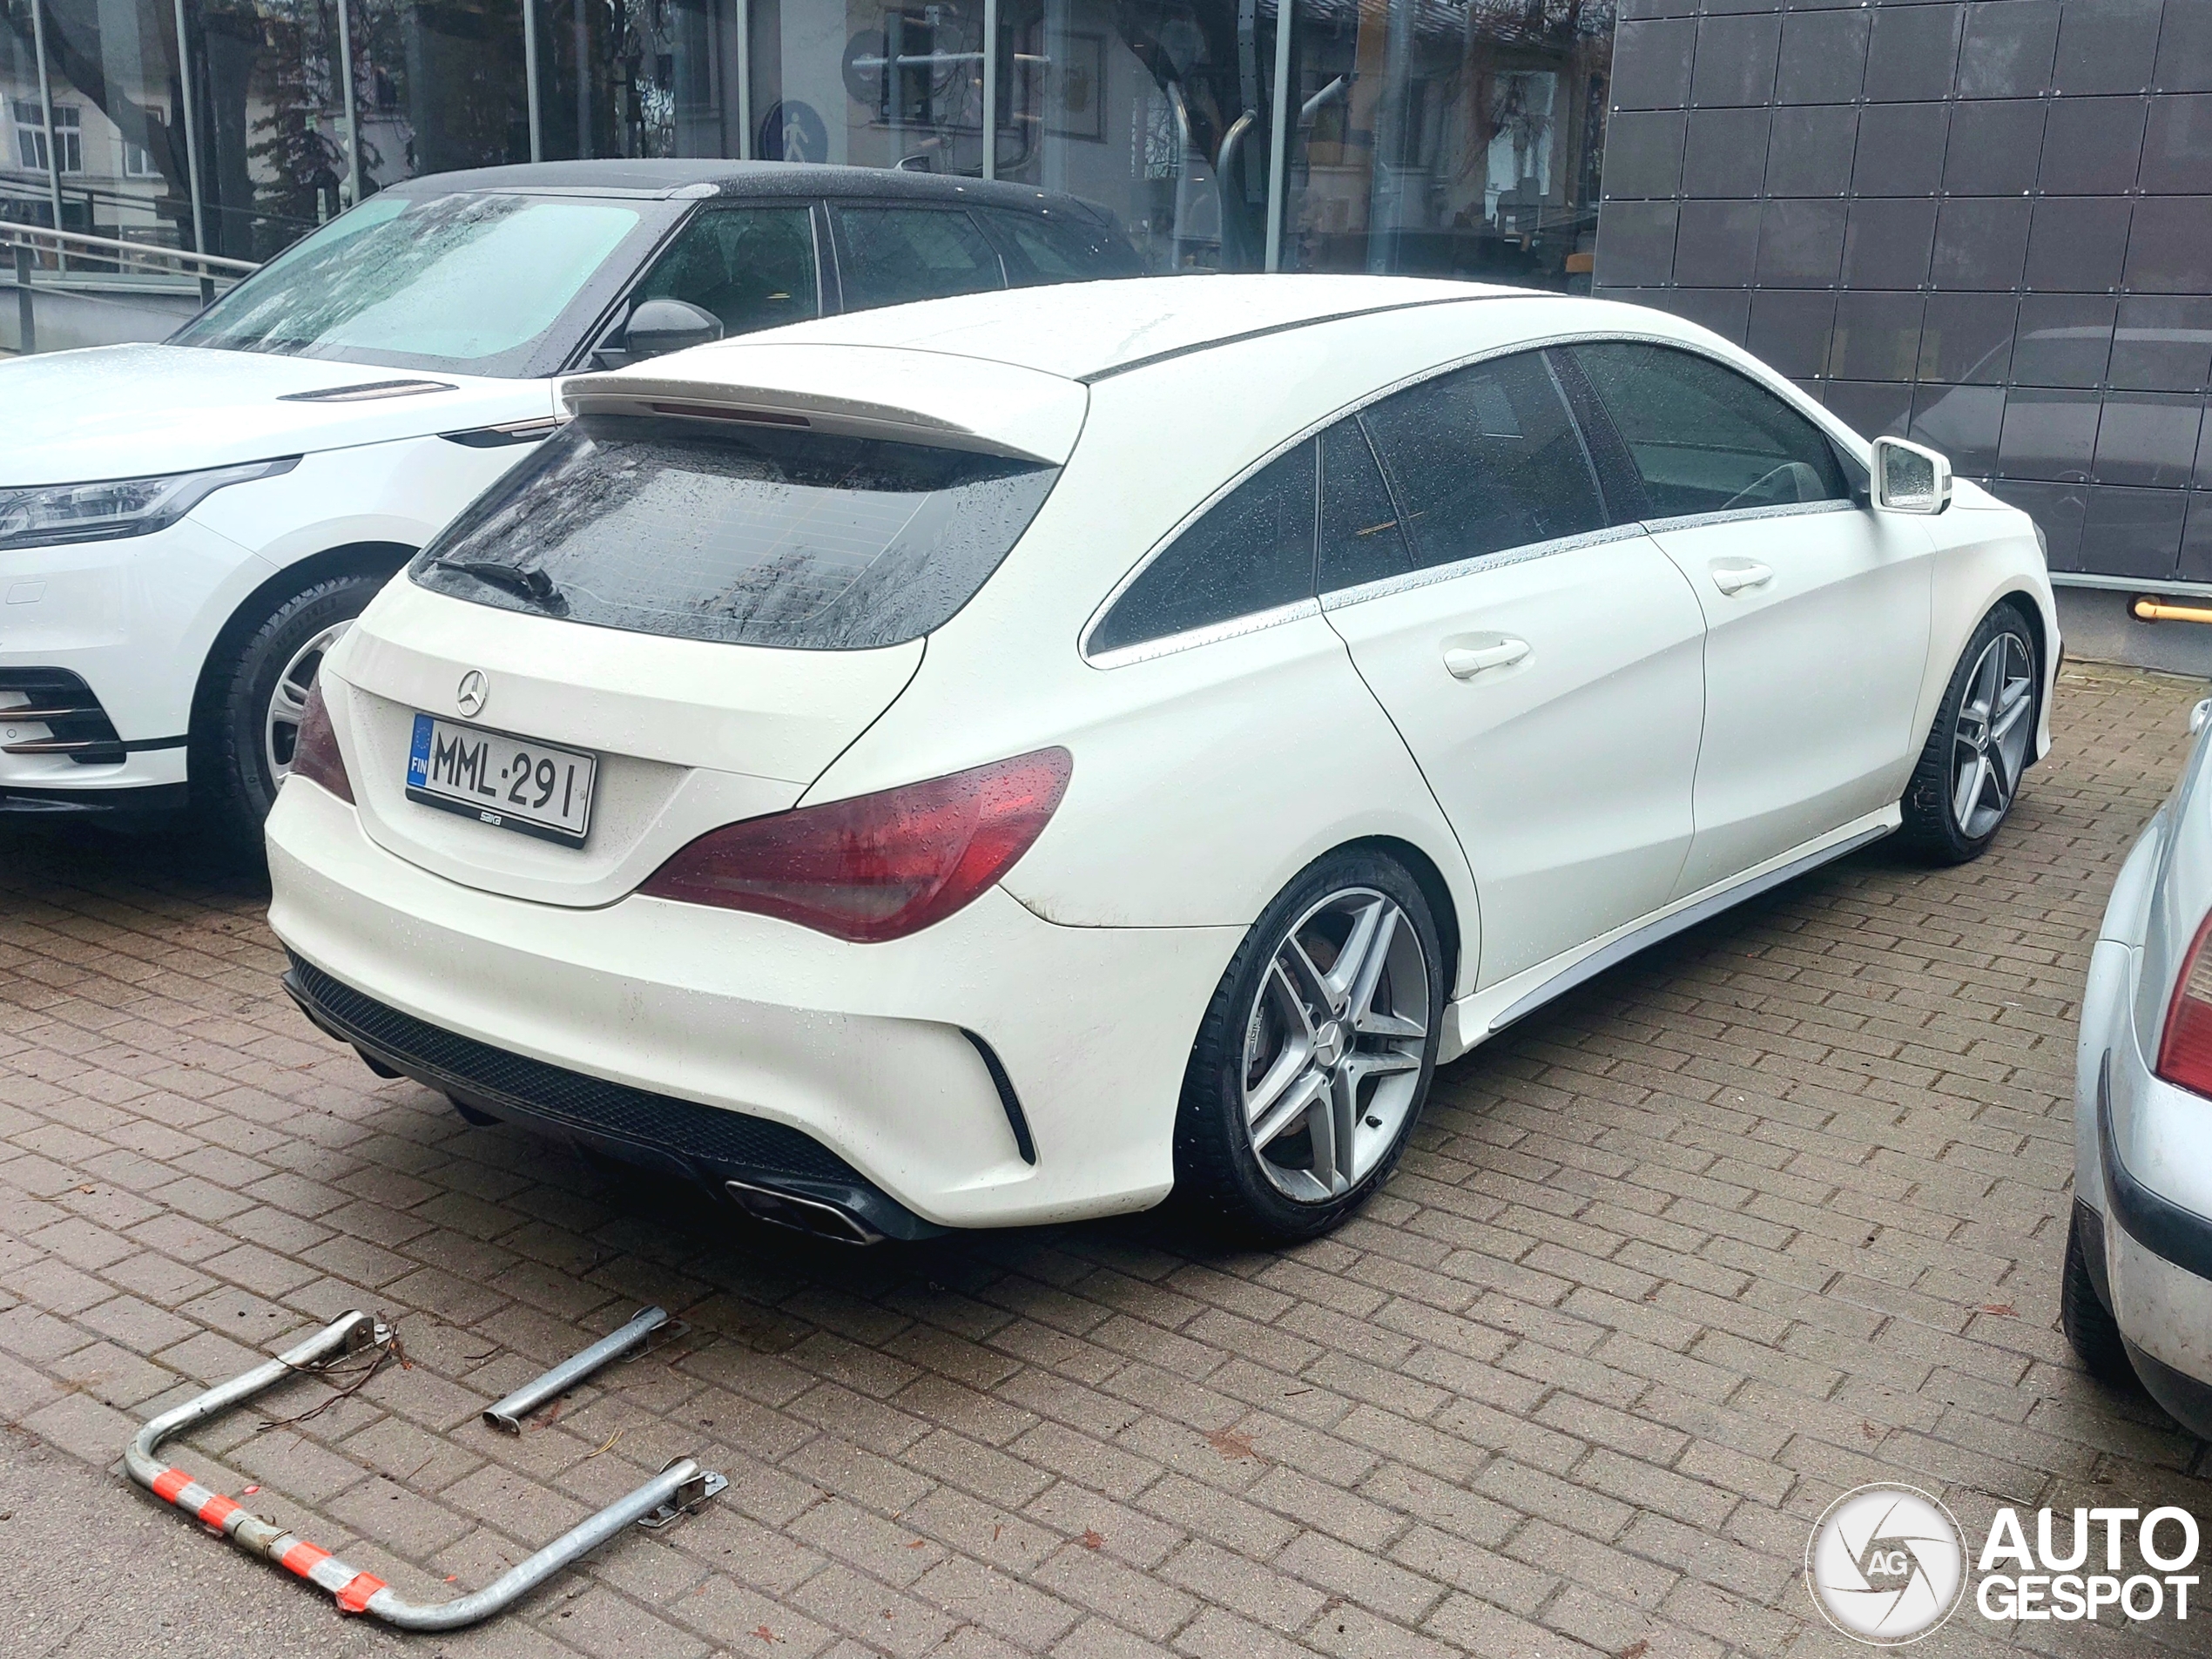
(1990, 735)
(1334, 1042)
(1316, 1050)
(1969, 773)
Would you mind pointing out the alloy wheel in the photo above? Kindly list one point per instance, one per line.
(288, 701)
(1334, 1044)
(1989, 748)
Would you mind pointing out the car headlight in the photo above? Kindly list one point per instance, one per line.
(47, 514)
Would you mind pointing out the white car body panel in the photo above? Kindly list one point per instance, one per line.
(1830, 650)
(1207, 769)
(1566, 775)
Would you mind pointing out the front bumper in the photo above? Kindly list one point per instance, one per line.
(129, 622)
(872, 1052)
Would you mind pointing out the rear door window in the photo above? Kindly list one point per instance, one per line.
(1705, 438)
(1485, 458)
(697, 529)
(1251, 552)
(889, 256)
(1361, 538)
(753, 268)
(1059, 247)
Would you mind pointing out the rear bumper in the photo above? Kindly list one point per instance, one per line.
(678, 1136)
(869, 1052)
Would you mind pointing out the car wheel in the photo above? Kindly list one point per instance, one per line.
(245, 751)
(1316, 1052)
(2090, 1328)
(1970, 772)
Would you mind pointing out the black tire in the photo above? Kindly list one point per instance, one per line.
(2090, 1329)
(233, 782)
(1218, 1172)
(1933, 824)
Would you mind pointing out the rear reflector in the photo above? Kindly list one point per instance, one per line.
(314, 753)
(2185, 1047)
(876, 867)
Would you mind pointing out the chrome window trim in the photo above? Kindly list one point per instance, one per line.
(1740, 515)
(1235, 627)
(1339, 599)
(1342, 598)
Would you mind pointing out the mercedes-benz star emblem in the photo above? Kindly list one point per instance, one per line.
(472, 693)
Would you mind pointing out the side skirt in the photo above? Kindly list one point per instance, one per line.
(1475, 1019)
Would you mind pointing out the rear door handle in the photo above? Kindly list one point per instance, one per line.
(1739, 574)
(1465, 662)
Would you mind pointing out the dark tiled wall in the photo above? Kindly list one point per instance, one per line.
(1984, 224)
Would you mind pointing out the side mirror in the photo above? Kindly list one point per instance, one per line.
(1909, 479)
(659, 326)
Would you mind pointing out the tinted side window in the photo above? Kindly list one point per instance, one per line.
(1361, 538)
(751, 266)
(1705, 438)
(1485, 458)
(1062, 248)
(887, 256)
(1252, 551)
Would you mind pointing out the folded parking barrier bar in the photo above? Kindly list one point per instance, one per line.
(679, 1487)
(508, 1412)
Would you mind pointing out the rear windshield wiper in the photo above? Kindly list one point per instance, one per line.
(527, 581)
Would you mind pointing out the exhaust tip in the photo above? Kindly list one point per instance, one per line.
(815, 1215)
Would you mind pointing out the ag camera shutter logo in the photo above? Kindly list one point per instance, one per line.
(1887, 1565)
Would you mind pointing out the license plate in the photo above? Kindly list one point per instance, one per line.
(508, 782)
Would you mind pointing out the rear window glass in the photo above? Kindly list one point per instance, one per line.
(746, 535)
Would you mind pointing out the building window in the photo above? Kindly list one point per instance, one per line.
(138, 163)
(30, 135)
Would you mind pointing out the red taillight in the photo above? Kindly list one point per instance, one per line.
(314, 751)
(2185, 1047)
(876, 867)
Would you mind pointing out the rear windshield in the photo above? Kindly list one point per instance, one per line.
(747, 535)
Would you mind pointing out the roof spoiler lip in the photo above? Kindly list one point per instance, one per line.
(625, 393)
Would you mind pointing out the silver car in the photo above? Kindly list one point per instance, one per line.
(2136, 1298)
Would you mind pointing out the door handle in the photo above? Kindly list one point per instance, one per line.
(1739, 574)
(1465, 662)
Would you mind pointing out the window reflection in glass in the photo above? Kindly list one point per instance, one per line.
(1448, 137)
(112, 75)
(1159, 109)
(870, 83)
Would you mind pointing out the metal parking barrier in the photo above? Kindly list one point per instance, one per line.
(677, 1490)
(508, 1412)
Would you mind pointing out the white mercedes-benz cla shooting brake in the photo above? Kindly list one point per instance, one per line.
(1000, 760)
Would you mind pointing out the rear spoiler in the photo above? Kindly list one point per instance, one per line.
(933, 398)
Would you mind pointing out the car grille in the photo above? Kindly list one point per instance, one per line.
(75, 723)
(533, 1089)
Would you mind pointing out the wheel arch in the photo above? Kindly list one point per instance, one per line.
(2039, 633)
(1430, 879)
(352, 558)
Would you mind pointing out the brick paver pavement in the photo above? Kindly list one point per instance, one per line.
(1770, 1212)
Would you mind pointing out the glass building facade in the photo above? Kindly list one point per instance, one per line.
(1448, 137)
